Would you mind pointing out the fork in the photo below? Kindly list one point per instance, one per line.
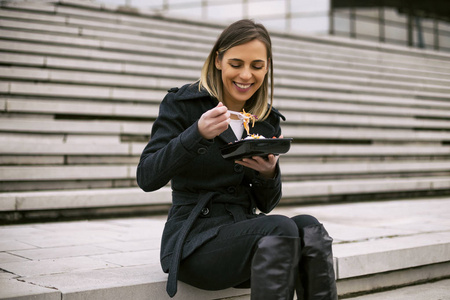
(240, 115)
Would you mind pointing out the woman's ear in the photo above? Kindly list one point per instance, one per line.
(217, 61)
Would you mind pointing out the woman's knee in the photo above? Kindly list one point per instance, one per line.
(281, 226)
(303, 221)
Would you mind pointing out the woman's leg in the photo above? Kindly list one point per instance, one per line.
(317, 280)
(275, 268)
(269, 243)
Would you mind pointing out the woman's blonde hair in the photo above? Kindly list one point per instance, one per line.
(236, 34)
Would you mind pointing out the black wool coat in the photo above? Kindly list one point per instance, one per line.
(178, 153)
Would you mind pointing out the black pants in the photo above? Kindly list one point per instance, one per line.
(226, 260)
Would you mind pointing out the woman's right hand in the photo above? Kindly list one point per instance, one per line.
(214, 121)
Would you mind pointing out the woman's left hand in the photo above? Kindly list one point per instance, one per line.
(265, 166)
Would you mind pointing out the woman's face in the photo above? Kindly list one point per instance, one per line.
(243, 70)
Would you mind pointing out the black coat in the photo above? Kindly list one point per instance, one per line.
(178, 152)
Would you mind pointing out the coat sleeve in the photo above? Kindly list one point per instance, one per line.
(267, 192)
(175, 141)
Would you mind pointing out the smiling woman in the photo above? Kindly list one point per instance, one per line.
(239, 68)
(215, 200)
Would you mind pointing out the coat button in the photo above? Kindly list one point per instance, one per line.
(202, 151)
(238, 168)
(257, 183)
(205, 211)
(231, 189)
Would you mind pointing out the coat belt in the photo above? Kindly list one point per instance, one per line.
(200, 201)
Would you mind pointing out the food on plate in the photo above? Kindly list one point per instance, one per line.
(254, 137)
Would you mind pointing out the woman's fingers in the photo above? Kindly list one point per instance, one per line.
(265, 166)
(214, 121)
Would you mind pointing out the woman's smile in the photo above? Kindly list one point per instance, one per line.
(243, 87)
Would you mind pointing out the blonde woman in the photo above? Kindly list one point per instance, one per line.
(214, 238)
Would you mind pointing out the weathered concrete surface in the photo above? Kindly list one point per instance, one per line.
(376, 245)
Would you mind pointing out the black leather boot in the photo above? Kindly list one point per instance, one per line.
(317, 280)
(275, 268)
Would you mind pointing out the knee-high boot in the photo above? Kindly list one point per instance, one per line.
(275, 268)
(317, 280)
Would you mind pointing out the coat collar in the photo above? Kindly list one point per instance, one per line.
(190, 91)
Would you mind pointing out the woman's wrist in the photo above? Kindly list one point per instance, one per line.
(269, 175)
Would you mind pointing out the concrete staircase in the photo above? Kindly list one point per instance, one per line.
(80, 85)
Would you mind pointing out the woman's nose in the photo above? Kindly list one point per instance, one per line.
(246, 74)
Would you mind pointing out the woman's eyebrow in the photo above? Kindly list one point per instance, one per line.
(240, 60)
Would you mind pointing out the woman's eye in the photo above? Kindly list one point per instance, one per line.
(235, 66)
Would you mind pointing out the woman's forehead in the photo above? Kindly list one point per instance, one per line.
(254, 50)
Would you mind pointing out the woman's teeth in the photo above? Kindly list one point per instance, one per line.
(243, 86)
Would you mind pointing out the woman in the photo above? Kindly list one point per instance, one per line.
(213, 238)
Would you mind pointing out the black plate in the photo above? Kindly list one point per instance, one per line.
(255, 147)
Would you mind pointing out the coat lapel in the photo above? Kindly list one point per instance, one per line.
(228, 136)
(261, 128)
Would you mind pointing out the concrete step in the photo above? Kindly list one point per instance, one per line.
(82, 91)
(59, 138)
(358, 187)
(94, 29)
(98, 172)
(307, 132)
(300, 191)
(438, 290)
(153, 79)
(292, 84)
(72, 199)
(364, 151)
(292, 168)
(27, 147)
(74, 126)
(94, 53)
(47, 173)
(83, 108)
(165, 67)
(158, 90)
(66, 169)
(390, 109)
(307, 101)
(99, 145)
(342, 119)
(108, 109)
(300, 132)
(377, 245)
(288, 98)
(89, 78)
